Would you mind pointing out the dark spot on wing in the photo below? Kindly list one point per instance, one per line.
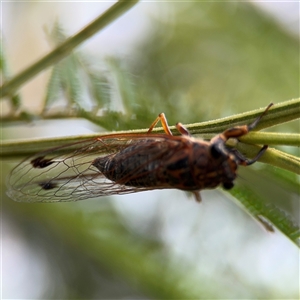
(41, 162)
(47, 185)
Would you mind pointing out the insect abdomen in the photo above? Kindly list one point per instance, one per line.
(136, 165)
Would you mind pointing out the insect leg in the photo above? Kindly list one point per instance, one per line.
(218, 142)
(246, 161)
(162, 118)
(253, 125)
(238, 131)
(197, 196)
(182, 129)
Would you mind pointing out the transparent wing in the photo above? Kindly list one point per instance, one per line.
(66, 173)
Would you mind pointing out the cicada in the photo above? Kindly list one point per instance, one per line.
(117, 164)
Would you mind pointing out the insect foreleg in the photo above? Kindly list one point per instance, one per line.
(218, 142)
(246, 161)
(239, 131)
(253, 125)
(218, 147)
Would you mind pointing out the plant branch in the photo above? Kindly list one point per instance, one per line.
(10, 87)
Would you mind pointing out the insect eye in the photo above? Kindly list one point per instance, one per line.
(228, 185)
(215, 151)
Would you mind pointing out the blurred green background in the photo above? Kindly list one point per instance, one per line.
(195, 61)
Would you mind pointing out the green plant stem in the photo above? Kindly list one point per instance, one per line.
(279, 113)
(272, 138)
(12, 149)
(10, 87)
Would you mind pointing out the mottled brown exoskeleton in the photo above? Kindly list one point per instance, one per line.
(128, 163)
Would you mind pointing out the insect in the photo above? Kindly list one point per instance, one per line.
(128, 163)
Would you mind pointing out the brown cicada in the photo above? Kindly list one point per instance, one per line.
(128, 163)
